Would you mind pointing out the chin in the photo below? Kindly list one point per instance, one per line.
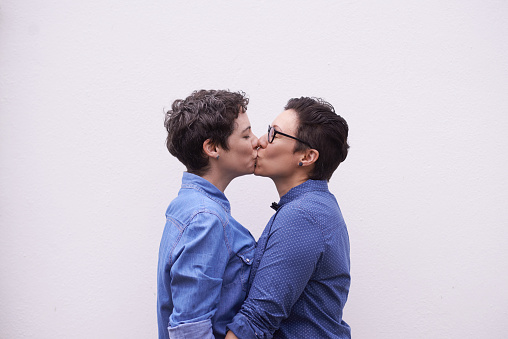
(259, 173)
(249, 171)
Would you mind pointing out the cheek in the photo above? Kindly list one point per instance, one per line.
(276, 154)
(271, 160)
(244, 152)
(248, 150)
(280, 158)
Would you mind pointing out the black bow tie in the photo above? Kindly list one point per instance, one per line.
(275, 206)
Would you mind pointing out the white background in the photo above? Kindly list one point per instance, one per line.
(85, 177)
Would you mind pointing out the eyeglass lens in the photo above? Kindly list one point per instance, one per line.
(271, 134)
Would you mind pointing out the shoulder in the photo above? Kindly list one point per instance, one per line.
(294, 214)
(315, 210)
(297, 225)
(310, 205)
(192, 205)
(321, 206)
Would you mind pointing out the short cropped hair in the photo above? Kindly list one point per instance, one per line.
(325, 130)
(205, 114)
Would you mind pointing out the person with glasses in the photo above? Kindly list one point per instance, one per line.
(205, 255)
(301, 272)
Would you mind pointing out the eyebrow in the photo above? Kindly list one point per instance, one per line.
(249, 127)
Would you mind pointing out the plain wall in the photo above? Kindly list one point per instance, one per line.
(85, 177)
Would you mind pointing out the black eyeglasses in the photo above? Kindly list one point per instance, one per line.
(272, 132)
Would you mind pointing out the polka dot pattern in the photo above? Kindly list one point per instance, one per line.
(300, 276)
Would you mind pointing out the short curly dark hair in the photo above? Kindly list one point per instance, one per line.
(205, 114)
(325, 130)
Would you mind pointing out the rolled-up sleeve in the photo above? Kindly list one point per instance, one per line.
(196, 277)
(201, 329)
(293, 248)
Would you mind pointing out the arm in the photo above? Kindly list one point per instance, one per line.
(293, 248)
(196, 277)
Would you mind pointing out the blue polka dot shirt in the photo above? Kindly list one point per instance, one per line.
(301, 272)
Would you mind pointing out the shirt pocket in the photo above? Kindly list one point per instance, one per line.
(246, 259)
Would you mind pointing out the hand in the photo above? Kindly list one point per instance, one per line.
(231, 335)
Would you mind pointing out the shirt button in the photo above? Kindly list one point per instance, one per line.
(247, 260)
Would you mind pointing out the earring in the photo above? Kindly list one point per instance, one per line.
(217, 157)
(300, 163)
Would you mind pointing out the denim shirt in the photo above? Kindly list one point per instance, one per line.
(204, 263)
(301, 271)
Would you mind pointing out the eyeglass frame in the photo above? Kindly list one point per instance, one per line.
(275, 132)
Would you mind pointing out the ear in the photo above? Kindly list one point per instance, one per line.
(309, 157)
(210, 149)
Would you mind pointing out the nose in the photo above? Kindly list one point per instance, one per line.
(263, 141)
(255, 141)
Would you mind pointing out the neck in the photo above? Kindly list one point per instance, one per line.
(283, 185)
(219, 180)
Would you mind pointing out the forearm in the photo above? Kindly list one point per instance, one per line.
(288, 262)
(231, 335)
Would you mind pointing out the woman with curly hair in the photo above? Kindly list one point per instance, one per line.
(205, 254)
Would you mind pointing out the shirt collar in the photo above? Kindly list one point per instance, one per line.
(196, 182)
(297, 191)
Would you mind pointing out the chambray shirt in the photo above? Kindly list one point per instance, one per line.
(204, 263)
(300, 276)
